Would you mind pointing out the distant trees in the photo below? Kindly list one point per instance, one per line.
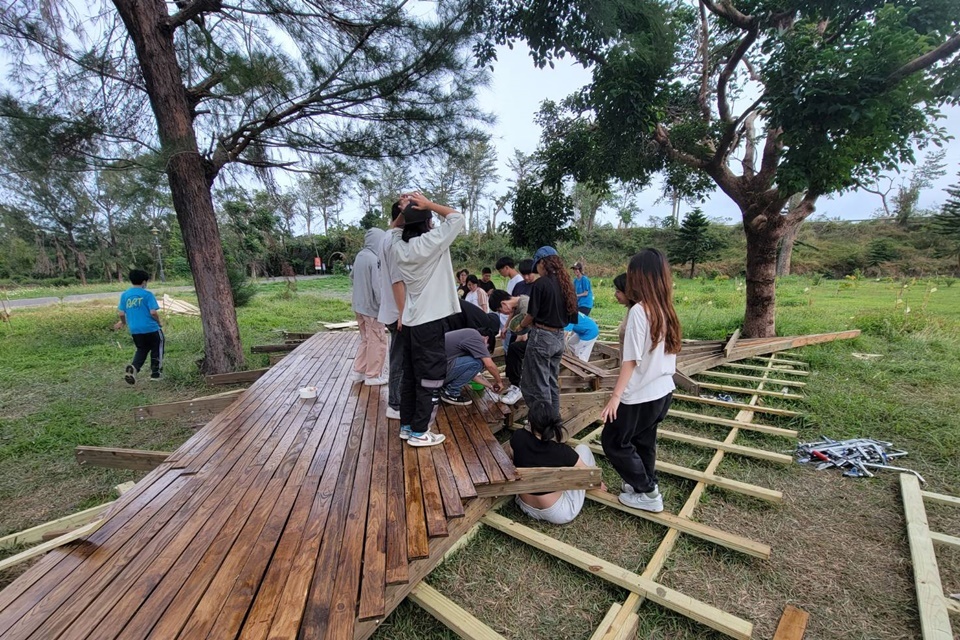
(694, 242)
(541, 215)
(902, 204)
(947, 222)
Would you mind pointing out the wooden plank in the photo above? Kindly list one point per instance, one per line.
(685, 525)
(452, 503)
(272, 348)
(750, 452)
(757, 367)
(471, 458)
(686, 383)
(606, 622)
(735, 405)
(432, 502)
(112, 458)
(451, 615)
(792, 625)
(674, 600)
(750, 426)
(186, 407)
(236, 377)
(37, 533)
(934, 618)
(953, 607)
(750, 392)
(418, 544)
(731, 343)
(474, 427)
(941, 498)
(496, 450)
(454, 456)
(737, 376)
(44, 547)
(396, 567)
(373, 584)
(540, 479)
(944, 540)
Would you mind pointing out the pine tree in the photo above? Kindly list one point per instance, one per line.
(693, 242)
(947, 222)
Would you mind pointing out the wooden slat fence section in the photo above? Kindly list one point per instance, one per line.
(281, 518)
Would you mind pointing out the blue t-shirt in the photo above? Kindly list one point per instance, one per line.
(136, 303)
(583, 284)
(585, 327)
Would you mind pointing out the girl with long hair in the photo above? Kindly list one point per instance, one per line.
(542, 446)
(552, 306)
(644, 388)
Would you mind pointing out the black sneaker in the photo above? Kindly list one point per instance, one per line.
(457, 400)
(155, 375)
(130, 374)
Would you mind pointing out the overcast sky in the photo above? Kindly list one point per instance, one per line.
(518, 88)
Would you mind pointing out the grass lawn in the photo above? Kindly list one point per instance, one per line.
(840, 548)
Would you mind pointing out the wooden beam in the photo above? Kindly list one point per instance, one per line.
(750, 392)
(674, 600)
(750, 452)
(714, 402)
(725, 422)
(40, 549)
(934, 619)
(273, 348)
(953, 606)
(757, 367)
(686, 383)
(111, 458)
(189, 407)
(731, 343)
(539, 479)
(792, 625)
(685, 525)
(737, 376)
(941, 498)
(944, 540)
(36, 534)
(452, 615)
(236, 377)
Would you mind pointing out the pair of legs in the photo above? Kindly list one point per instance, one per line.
(570, 502)
(464, 369)
(424, 372)
(396, 367)
(630, 442)
(373, 347)
(152, 344)
(541, 367)
(581, 348)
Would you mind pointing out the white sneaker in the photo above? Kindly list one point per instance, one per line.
(512, 396)
(376, 382)
(357, 376)
(427, 439)
(652, 501)
(393, 414)
(628, 488)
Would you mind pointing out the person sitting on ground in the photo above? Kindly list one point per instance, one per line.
(581, 336)
(467, 356)
(581, 283)
(541, 446)
(515, 308)
(475, 295)
(462, 289)
(372, 350)
(485, 282)
(139, 311)
(527, 276)
(505, 267)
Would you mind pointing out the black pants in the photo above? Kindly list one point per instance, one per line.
(151, 343)
(630, 441)
(424, 370)
(514, 359)
(585, 310)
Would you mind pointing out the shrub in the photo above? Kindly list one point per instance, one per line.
(242, 289)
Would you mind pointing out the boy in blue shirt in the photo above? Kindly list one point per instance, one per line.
(139, 311)
(583, 335)
(584, 290)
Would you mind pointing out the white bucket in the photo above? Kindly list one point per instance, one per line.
(307, 393)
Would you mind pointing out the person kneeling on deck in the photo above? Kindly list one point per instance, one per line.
(423, 258)
(582, 335)
(541, 447)
(467, 355)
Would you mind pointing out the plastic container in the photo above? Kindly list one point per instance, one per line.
(307, 393)
(476, 386)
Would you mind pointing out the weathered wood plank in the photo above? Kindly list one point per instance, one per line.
(112, 458)
(792, 625)
(36, 534)
(396, 568)
(418, 543)
(455, 457)
(187, 407)
(539, 479)
(373, 584)
(236, 377)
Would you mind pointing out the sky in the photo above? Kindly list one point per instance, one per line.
(518, 88)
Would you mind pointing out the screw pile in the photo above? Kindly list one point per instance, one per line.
(856, 457)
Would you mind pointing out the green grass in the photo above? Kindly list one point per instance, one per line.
(61, 386)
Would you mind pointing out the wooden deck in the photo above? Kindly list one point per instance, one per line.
(281, 518)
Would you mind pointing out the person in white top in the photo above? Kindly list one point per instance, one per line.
(644, 388)
(506, 268)
(422, 252)
(475, 295)
(391, 279)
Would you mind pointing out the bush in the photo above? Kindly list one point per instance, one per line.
(242, 289)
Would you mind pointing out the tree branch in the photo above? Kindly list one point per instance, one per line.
(193, 10)
(750, 147)
(925, 61)
(769, 160)
(703, 97)
(662, 137)
(722, 105)
(726, 144)
(726, 10)
(807, 206)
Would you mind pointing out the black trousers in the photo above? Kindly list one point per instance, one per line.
(424, 370)
(514, 360)
(151, 343)
(630, 441)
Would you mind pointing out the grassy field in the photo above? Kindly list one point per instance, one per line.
(839, 544)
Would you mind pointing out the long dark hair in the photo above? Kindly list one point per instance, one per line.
(620, 284)
(553, 266)
(649, 283)
(544, 421)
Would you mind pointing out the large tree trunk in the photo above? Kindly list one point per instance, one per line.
(786, 250)
(189, 181)
(760, 318)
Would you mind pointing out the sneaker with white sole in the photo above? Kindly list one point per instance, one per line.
(628, 488)
(511, 396)
(405, 432)
(459, 401)
(393, 414)
(130, 374)
(376, 382)
(652, 501)
(425, 439)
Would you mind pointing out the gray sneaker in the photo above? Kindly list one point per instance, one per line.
(628, 488)
(652, 501)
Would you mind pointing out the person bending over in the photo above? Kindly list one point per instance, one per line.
(467, 356)
(515, 308)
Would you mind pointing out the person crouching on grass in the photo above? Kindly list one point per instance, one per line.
(422, 255)
(644, 388)
(138, 310)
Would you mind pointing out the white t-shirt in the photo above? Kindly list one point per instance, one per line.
(653, 377)
(513, 282)
(389, 274)
(427, 271)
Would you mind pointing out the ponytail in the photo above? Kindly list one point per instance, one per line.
(545, 422)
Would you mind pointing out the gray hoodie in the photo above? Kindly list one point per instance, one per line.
(366, 275)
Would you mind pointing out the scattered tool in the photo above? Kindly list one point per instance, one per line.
(856, 457)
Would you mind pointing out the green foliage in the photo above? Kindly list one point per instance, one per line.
(694, 241)
(540, 216)
(880, 250)
(947, 223)
(240, 286)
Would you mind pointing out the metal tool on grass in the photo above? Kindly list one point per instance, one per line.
(855, 457)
